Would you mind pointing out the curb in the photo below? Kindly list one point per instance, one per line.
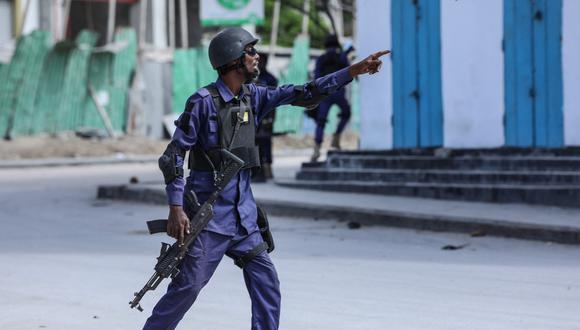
(131, 193)
(52, 162)
(544, 195)
(408, 220)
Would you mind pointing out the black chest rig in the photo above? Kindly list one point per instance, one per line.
(236, 133)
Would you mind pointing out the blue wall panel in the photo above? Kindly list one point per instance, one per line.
(533, 74)
(540, 74)
(405, 106)
(417, 106)
(509, 72)
(524, 75)
(554, 80)
(397, 58)
(410, 110)
(429, 54)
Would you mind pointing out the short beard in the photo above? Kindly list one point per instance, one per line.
(250, 76)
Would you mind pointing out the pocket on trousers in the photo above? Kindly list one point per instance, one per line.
(196, 250)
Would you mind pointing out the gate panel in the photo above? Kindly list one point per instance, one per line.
(533, 73)
(429, 54)
(417, 105)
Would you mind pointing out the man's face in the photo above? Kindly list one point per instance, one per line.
(252, 59)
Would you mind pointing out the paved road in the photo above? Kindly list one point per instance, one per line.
(70, 261)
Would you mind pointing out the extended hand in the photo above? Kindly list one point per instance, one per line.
(177, 223)
(371, 64)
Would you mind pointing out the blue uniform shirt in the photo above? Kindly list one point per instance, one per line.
(236, 201)
(267, 79)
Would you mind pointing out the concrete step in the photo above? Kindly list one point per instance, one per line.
(474, 152)
(313, 165)
(504, 163)
(560, 195)
(439, 176)
(506, 220)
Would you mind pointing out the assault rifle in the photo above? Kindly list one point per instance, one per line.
(171, 255)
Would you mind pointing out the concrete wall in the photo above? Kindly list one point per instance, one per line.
(31, 22)
(376, 102)
(158, 22)
(571, 71)
(472, 73)
(5, 21)
(156, 99)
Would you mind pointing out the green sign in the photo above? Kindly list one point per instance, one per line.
(234, 4)
(231, 12)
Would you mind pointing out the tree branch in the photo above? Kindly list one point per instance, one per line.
(326, 9)
(311, 14)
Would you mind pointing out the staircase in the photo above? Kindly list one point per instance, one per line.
(504, 175)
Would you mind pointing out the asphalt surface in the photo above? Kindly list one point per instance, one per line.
(71, 261)
(532, 222)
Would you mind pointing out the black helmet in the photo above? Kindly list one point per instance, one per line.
(331, 41)
(229, 45)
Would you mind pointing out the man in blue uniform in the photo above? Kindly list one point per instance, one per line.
(224, 115)
(333, 60)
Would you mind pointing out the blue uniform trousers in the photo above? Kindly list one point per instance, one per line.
(339, 99)
(198, 267)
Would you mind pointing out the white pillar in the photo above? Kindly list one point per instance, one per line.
(183, 23)
(111, 20)
(375, 92)
(571, 71)
(171, 18)
(336, 12)
(5, 22)
(472, 73)
(274, 32)
(31, 22)
(159, 26)
(305, 17)
(143, 10)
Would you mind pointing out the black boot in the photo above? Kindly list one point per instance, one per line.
(335, 143)
(315, 154)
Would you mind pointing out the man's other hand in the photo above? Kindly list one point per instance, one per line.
(178, 223)
(371, 64)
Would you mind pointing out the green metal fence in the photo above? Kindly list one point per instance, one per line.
(62, 92)
(45, 88)
(110, 75)
(191, 71)
(289, 118)
(20, 79)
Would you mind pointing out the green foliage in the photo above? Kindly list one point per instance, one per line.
(290, 24)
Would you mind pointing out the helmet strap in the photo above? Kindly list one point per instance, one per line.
(248, 76)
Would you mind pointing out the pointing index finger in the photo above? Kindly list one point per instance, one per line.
(379, 54)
